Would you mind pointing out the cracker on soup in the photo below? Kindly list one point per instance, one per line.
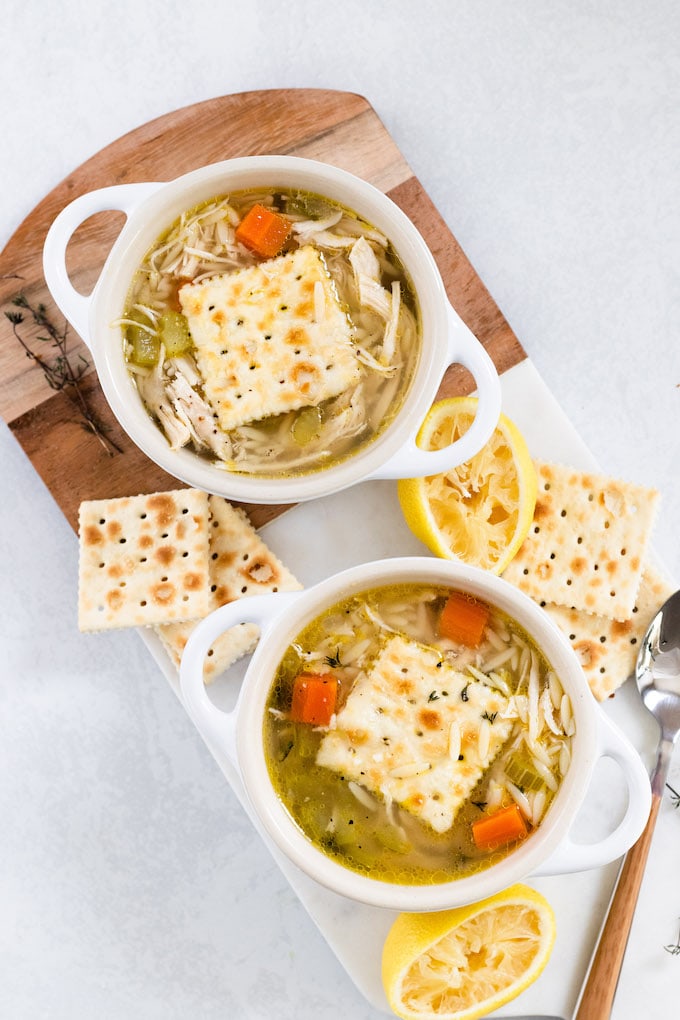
(416, 733)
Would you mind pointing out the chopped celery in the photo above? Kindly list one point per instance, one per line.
(306, 741)
(304, 203)
(145, 346)
(174, 333)
(306, 426)
(521, 772)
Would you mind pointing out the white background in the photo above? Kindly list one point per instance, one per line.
(131, 882)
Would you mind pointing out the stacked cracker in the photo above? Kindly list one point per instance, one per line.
(166, 561)
(585, 561)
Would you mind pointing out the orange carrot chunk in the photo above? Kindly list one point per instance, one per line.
(463, 619)
(263, 232)
(499, 829)
(314, 697)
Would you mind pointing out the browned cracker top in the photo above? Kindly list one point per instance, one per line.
(143, 560)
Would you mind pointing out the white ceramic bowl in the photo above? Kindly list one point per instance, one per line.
(152, 208)
(549, 850)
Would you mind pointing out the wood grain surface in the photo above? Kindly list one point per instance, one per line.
(340, 128)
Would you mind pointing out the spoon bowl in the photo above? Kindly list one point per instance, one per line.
(657, 674)
(658, 671)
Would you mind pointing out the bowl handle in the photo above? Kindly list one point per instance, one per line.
(215, 725)
(464, 349)
(122, 198)
(570, 856)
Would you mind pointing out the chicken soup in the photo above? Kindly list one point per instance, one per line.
(275, 332)
(416, 734)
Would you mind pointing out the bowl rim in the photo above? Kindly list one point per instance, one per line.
(147, 221)
(378, 892)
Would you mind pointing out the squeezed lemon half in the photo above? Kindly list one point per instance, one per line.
(481, 511)
(462, 964)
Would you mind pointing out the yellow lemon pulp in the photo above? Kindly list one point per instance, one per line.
(481, 511)
(462, 964)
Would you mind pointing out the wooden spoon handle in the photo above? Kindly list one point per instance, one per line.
(600, 988)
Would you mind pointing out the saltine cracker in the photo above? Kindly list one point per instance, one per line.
(408, 732)
(143, 560)
(271, 338)
(607, 649)
(240, 564)
(587, 543)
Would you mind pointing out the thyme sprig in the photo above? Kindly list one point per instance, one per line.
(675, 796)
(59, 371)
(674, 947)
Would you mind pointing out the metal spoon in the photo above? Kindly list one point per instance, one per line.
(658, 678)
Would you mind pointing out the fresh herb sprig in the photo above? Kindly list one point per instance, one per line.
(674, 947)
(59, 371)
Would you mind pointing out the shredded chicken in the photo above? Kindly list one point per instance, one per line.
(390, 339)
(190, 405)
(308, 227)
(364, 261)
(178, 433)
(152, 391)
(326, 239)
(375, 297)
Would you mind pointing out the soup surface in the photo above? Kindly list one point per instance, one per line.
(416, 734)
(273, 332)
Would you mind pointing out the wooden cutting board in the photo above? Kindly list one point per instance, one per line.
(336, 127)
